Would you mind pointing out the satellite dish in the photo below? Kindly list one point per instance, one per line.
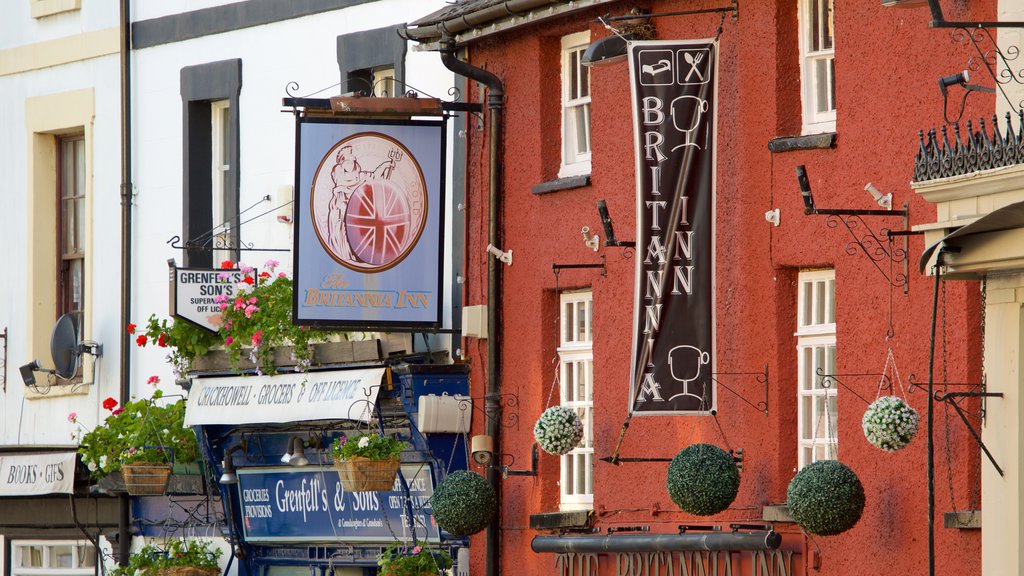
(64, 347)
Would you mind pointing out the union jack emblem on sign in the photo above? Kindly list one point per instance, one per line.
(378, 222)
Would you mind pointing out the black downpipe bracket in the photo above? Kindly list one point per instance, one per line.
(124, 503)
(492, 405)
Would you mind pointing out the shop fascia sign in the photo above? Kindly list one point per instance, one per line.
(37, 474)
(193, 290)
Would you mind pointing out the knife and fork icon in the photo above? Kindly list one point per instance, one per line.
(693, 61)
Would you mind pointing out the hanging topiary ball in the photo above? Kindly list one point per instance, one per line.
(703, 479)
(826, 498)
(558, 430)
(890, 423)
(464, 503)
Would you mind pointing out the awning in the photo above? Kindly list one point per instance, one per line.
(1006, 218)
(330, 395)
(35, 474)
(766, 540)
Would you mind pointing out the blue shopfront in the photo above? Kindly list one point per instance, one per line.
(266, 440)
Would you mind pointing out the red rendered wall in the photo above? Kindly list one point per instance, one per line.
(887, 63)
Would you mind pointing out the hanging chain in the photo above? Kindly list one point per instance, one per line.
(558, 333)
(945, 405)
(976, 491)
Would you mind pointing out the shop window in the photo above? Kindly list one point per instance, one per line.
(52, 558)
(210, 196)
(576, 377)
(575, 106)
(817, 66)
(816, 356)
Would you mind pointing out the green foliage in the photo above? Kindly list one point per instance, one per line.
(826, 498)
(149, 559)
(703, 479)
(185, 340)
(464, 503)
(419, 561)
(372, 446)
(136, 433)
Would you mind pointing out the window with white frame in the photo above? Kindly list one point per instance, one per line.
(224, 216)
(816, 356)
(817, 66)
(576, 375)
(575, 106)
(52, 558)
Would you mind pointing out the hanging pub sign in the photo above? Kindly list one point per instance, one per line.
(369, 229)
(674, 89)
(287, 504)
(193, 293)
(37, 474)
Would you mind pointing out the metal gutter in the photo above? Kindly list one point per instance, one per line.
(497, 18)
(733, 541)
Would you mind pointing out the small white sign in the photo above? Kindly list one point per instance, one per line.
(37, 474)
(194, 294)
(334, 395)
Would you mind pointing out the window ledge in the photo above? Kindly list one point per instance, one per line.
(809, 142)
(43, 8)
(776, 513)
(559, 520)
(567, 183)
(57, 391)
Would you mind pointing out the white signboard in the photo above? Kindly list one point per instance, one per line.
(194, 292)
(37, 474)
(334, 395)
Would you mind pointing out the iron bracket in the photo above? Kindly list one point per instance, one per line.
(827, 380)
(762, 378)
(879, 248)
(951, 399)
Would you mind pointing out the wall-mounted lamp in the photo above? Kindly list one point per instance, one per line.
(592, 242)
(884, 200)
(607, 50)
(805, 189)
(773, 216)
(296, 454)
(505, 257)
(229, 476)
(609, 230)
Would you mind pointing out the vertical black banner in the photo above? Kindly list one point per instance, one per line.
(674, 90)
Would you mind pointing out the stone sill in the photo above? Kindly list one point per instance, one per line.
(809, 142)
(567, 183)
(559, 520)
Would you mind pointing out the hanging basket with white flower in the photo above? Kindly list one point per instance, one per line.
(558, 430)
(890, 423)
(367, 462)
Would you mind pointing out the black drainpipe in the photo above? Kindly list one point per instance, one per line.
(124, 509)
(492, 405)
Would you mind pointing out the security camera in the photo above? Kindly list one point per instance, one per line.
(505, 257)
(884, 200)
(482, 449)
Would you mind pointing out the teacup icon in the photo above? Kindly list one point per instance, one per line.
(685, 363)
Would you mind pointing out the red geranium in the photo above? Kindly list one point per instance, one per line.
(264, 274)
(227, 265)
(131, 328)
(141, 340)
(161, 340)
(109, 404)
(248, 280)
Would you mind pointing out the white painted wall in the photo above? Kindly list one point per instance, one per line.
(303, 50)
(44, 421)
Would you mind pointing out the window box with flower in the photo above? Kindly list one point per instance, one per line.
(191, 557)
(256, 331)
(367, 462)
